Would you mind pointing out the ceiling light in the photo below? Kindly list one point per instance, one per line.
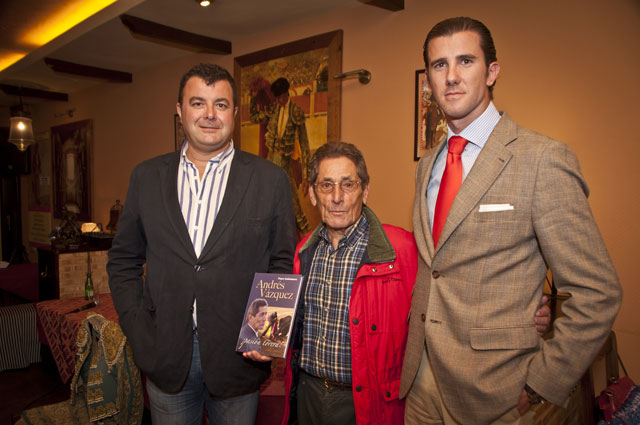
(20, 128)
(9, 58)
(63, 19)
(21, 132)
(203, 3)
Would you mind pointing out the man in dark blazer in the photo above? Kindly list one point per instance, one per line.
(196, 226)
(518, 209)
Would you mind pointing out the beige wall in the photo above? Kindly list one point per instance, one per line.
(569, 70)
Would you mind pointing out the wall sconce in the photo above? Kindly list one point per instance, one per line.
(21, 129)
(363, 75)
(67, 113)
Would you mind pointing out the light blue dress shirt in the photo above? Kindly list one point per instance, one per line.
(477, 133)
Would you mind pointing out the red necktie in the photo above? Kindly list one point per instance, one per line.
(449, 185)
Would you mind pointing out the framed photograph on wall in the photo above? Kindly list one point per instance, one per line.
(289, 105)
(71, 168)
(178, 132)
(430, 123)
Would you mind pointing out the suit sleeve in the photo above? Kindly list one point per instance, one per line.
(282, 236)
(580, 264)
(127, 257)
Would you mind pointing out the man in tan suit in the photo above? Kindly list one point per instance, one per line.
(473, 355)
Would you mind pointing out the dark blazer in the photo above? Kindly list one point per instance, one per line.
(253, 232)
(522, 209)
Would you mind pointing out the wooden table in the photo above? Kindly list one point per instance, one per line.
(58, 326)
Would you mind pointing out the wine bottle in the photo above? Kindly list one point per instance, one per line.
(88, 283)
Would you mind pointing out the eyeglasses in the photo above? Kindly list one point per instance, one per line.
(347, 186)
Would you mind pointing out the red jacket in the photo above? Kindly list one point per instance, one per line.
(380, 301)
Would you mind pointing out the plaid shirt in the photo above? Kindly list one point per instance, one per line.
(326, 346)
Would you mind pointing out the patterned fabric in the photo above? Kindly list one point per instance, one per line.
(629, 412)
(18, 337)
(106, 386)
(326, 350)
(59, 325)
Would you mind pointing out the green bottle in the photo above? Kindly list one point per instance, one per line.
(88, 284)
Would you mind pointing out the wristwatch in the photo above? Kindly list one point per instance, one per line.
(534, 397)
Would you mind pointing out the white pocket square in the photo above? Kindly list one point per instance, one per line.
(495, 207)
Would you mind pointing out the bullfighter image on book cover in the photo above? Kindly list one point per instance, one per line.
(270, 310)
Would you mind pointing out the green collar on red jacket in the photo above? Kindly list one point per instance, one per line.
(379, 248)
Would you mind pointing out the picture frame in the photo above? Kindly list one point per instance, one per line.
(71, 147)
(430, 122)
(313, 108)
(178, 132)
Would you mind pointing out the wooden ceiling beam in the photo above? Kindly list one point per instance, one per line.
(392, 5)
(88, 71)
(37, 93)
(162, 34)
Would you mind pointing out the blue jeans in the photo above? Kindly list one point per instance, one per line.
(187, 406)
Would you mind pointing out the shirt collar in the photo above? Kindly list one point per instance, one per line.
(480, 129)
(355, 232)
(218, 158)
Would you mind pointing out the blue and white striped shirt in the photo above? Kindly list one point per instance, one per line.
(477, 133)
(200, 198)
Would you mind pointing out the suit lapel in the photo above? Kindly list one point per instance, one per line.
(171, 203)
(488, 166)
(421, 223)
(237, 184)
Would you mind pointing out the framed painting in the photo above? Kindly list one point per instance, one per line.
(71, 145)
(289, 105)
(178, 132)
(430, 124)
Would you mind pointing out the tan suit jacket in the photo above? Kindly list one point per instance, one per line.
(477, 292)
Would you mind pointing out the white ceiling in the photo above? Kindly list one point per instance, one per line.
(104, 42)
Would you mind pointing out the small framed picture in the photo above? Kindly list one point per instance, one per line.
(431, 124)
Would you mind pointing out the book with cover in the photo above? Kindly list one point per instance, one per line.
(270, 310)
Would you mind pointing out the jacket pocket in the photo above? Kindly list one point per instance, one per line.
(512, 338)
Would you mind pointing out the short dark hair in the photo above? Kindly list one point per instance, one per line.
(280, 86)
(462, 23)
(255, 306)
(210, 73)
(338, 150)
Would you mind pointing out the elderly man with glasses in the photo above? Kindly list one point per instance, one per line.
(350, 331)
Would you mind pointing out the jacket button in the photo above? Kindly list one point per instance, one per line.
(423, 317)
(197, 267)
(358, 388)
(435, 274)
(391, 266)
(388, 394)
(374, 269)
(373, 327)
(356, 321)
